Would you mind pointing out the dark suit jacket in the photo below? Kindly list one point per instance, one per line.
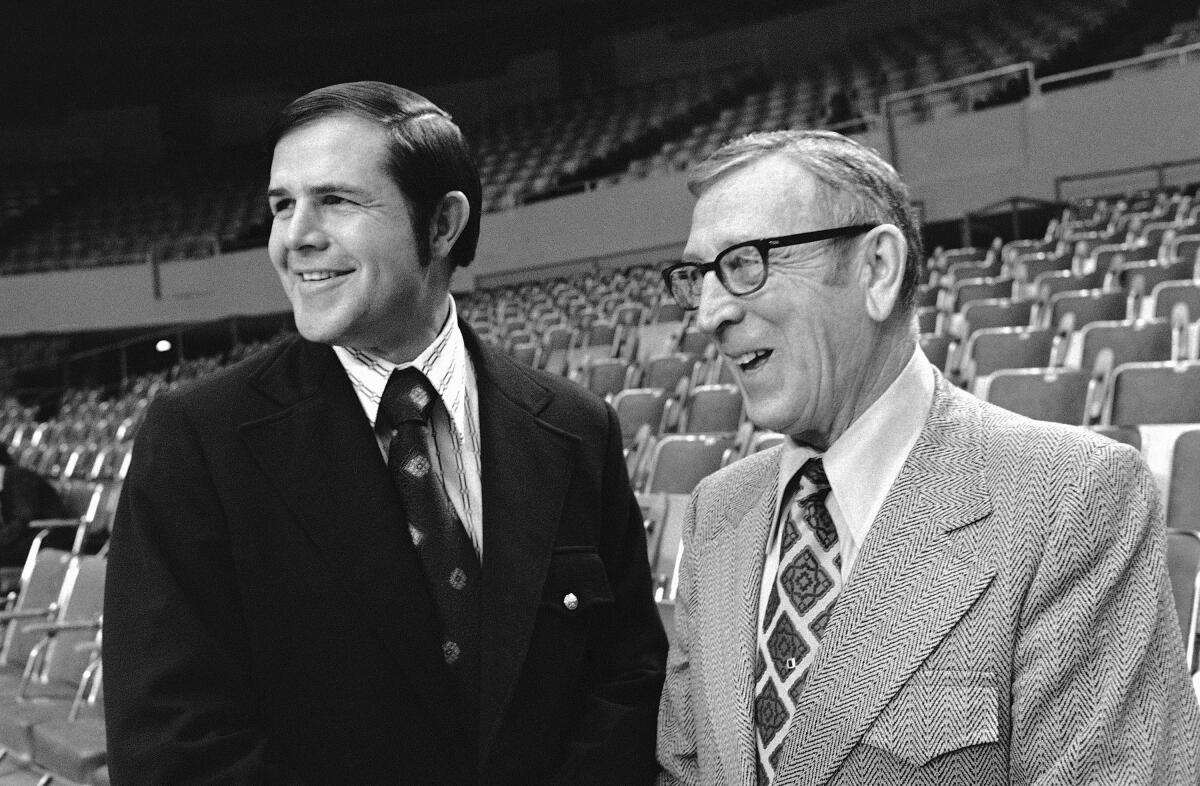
(267, 619)
(26, 496)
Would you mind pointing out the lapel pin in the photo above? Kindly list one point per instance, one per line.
(570, 601)
(791, 663)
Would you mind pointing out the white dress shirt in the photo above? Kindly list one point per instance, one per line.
(454, 443)
(861, 466)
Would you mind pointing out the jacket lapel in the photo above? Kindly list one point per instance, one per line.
(928, 555)
(527, 468)
(321, 455)
(729, 600)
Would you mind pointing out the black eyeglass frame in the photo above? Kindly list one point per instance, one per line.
(763, 246)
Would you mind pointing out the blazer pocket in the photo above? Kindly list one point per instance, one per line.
(576, 583)
(936, 713)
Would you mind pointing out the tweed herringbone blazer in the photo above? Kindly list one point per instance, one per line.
(1009, 620)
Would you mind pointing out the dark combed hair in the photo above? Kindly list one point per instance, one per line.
(428, 157)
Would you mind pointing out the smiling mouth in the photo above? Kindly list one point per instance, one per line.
(323, 275)
(750, 361)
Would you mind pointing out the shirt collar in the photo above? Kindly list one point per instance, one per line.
(444, 363)
(863, 463)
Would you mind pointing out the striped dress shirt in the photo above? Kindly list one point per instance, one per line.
(454, 442)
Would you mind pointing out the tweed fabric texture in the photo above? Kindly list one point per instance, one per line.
(805, 588)
(451, 565)
(1009, 620)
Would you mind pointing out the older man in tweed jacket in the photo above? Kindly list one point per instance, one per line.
(917, 587)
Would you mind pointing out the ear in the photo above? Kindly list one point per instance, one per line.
(448, 222)
(886, 251)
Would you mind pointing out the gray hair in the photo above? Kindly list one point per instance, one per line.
(859, 186)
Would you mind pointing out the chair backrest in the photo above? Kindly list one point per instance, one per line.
(558, 337)
(81, 600)
(680, 461)
(665, 371)
(41, 582)
(1141, 393)
(1128, 435)
(1092, 305)
(996, 312)
(694, 342)
(1168, 293)
(712, 409)
(1056, 395)
(601, 333)
(992, 349)
(1183, 505)
(638, 406)
(606, 376)
(1130, 340)
(979, 289)
(1183, 562)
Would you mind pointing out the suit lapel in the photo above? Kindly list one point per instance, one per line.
(527, 468)
(728, 637)
(928, 555)
(321, 455)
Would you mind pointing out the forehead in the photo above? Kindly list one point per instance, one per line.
(769, 197)
(336, 149)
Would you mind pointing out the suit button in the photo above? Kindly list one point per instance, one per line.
(570, 601)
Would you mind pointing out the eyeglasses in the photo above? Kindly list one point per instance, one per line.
(742, 268)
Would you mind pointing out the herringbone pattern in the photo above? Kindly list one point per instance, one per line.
(1009, 620)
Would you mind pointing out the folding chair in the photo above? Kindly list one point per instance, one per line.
(991, 349)
(680, 461)
(711, 409)
(56, 663)
(75, 747)
(666, 371)
(1088, 306)
(1183, 503)
(1141, 393)
(1130, 340)
(606, 376)
(1057, 395)
(637, 407)
(1183, 562)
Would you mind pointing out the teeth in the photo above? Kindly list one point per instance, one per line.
(748, 357)
(318, 275)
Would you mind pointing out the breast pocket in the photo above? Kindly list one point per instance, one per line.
(576, 584)
(936, 713)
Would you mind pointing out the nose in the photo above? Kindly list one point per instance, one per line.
(717, 307)
(304, 227)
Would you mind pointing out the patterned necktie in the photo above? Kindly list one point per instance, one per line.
(451, 565)
(801, 600)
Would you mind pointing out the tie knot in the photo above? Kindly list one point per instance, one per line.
(408, 396)
(814, 471)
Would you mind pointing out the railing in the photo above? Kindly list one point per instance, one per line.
(1159, 170)
(1140, 63)
(963, 92)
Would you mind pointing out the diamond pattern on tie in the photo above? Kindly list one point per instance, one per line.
(450, 564)
(799, 605)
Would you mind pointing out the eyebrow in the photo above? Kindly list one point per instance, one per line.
(321, 190)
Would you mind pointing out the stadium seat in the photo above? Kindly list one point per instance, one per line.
(1169, 293)
(1057, 395)
(1129, 340)
(1088, 306)
(667, 371)
(992, 349)
(680, 461)
(1183, 563)
(711, 409)
(1141, 393)
(1183, 503)
(75, 747)
(606, 376)
(641, 406)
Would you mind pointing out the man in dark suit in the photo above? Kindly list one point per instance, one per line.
(25, 496)
(382, 552)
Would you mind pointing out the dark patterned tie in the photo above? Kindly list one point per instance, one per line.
(451, 565)
(801, 599)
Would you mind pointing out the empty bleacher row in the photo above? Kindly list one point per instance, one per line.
(65, 216)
